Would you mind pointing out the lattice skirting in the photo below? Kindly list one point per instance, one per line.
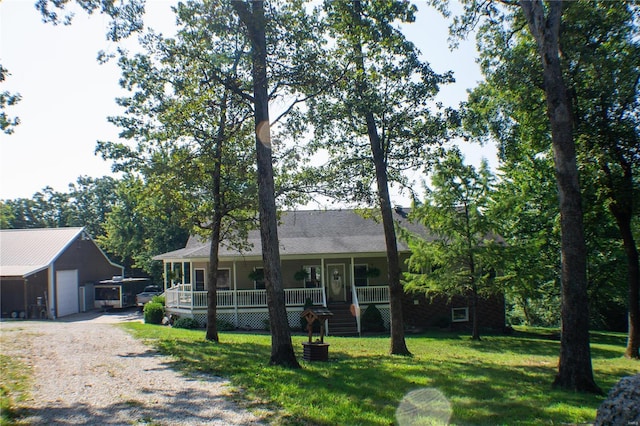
(385, 312)
(257, 319)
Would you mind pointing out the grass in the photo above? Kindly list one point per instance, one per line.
(14, 385)
(500, 380)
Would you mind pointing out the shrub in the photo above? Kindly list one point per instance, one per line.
(223, 325)
(442, 322)
(158, 299)
(371, 319)
(153, 313)
(188, 323)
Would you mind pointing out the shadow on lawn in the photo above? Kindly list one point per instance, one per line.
(543, 345)
(480, 393)
(356, 387)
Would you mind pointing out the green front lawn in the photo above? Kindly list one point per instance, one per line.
(15, 380)
(500, 380)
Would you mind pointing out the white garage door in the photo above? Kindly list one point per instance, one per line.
(67, 292)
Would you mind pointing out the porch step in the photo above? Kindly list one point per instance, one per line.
(342, 323)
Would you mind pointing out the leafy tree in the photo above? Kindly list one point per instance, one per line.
(7, 99)
(6, 215)
(374, 122)
(252, 15)
(463, 256)
(543, 21)
(601, 70)
(283, 23)
(526, 214)
(91, 199)
(192, 140)
(141, 224)
(600, 41)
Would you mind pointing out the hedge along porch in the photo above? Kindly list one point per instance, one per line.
(335, 258)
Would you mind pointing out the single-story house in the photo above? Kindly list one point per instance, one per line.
(50, 272)
(334, 258)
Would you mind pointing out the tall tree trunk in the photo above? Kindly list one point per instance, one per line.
(396, 292)
(475, 329)
(212, 279)
(282, 353)
(216, 224)
(633, 282)
(575, 371)
(621, 208)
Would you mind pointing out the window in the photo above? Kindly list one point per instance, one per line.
(360, 275)
(313, 278)
(459, 314)
(224, 279)
(107, 293)
(200, 277)
(186, 267)
(258, 278)
(177, 273)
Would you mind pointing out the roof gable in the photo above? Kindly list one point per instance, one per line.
(26, 251)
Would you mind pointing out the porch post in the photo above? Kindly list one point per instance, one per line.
(322, 281)
(352, 275)
(164, 273)
(235, 293)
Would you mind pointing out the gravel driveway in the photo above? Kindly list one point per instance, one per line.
(89, 372)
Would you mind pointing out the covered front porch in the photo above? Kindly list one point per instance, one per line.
(341, 283)
(247, 309)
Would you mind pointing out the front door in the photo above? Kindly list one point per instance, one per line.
(337, 281)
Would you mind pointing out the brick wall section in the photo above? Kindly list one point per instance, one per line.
(421, 312)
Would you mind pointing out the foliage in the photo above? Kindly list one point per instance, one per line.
(223, 325)
(7, 99)
(153, 313)
(462, 253)
(601, 70)
(373, 272)
(87, 203)
(187, 323)
(158, 299)
(375, 121)
(362, 385)
(371, 319)
(142, 224)
(301, 275)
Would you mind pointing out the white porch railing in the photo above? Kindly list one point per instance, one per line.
(178, 297)
(372, 294)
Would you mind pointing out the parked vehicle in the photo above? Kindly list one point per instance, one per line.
(118, 292)
(147, 294)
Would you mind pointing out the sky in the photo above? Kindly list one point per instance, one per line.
(67, 95)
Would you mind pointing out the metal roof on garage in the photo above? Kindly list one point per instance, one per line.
(24, 252)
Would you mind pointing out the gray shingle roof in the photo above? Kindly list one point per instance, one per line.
(26, 251)
(307, 232)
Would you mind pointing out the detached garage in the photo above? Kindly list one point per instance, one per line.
(49, 273)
